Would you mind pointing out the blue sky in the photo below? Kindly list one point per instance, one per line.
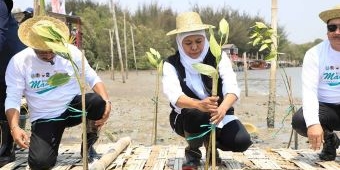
(299, 17)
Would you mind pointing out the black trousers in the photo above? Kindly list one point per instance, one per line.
(231, 137)
(329, 117)
(2, 101)
(46, 134)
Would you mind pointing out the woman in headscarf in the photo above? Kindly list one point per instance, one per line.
(189, 93)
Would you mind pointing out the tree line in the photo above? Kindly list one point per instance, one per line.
(150, 23)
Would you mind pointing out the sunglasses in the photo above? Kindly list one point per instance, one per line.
(332, 27)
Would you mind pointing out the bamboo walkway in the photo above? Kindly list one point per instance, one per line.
(171, 157)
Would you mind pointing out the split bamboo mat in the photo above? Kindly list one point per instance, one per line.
(170, 157)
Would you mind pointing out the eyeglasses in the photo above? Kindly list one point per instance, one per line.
(332, 27)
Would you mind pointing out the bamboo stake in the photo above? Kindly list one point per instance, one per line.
(125, 50)
(112, 56)
(245, 71)
(133, 48)
(82, 88)
(117, 39)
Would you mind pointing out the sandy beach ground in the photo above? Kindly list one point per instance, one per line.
(133, 112)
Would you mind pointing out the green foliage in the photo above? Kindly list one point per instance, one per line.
(150, 23)
(262, 36)
(155, 59)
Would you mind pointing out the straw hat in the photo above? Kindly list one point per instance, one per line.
(250, 127)
(187, 22)
(330, 14)
(29, 38)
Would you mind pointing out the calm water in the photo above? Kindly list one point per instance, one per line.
(258, 81)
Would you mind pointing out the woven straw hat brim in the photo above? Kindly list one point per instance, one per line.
(250, 127)
(188, 22)
(190, 29)
(330, 14)
(29, 38)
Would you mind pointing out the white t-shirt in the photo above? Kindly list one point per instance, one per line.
(27, 75)
(320, 80)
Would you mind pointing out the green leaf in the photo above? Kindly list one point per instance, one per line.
(151, 59)
(256, 41)
(272, 56)
(43, 31)
(267, 41)
(263, 47)
(57, 47)
(224, 27)
(214, 46)
(205, 69)
(58, 79)
(60, 33)
(260, 25)
(253, 35)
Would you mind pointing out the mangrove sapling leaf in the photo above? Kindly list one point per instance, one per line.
(58, 79)
(57, 47)
(205, 69)
(224, 30)
(43, 31)
(155, 53)
(215, 47)
(151, 59)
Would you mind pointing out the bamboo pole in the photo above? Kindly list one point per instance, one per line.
(133, 48)
(117, 39)
(112, 56)
(111, 155)
(245, 71)
(82, 88)
(125, 50)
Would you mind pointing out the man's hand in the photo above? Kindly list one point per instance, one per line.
(105, 116)
(20, 137)
(315, 136)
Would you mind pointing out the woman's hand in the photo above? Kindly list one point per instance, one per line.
(217, 116)
(208, 104)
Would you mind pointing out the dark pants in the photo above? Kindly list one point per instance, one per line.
(329, 117)
(232, 137)
(2, 101)
(47, 133)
